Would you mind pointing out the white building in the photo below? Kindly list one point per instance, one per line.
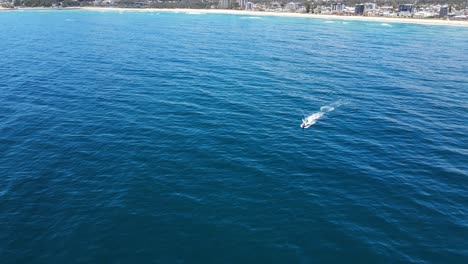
(250, 6)
(294, 6)
(225, 4)
(370, 6)
(424, 14)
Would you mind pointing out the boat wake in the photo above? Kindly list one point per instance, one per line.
(313, 118)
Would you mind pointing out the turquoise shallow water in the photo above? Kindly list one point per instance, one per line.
(174, 138)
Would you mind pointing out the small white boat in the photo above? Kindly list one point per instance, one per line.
(310, 120)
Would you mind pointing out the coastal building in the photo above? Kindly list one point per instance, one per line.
(276, 7)
(359, 9)
(367, 9)
(7, 3)
(370, 6)
(292, 6)
(225, 4)
(242, 3)
(406, 8)
(325, 10)
(387, 11)
(424, 14)
(444, 11)
(249, 6)
(348, 11)
(335, 7)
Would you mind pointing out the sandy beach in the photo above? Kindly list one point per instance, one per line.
(285, 14)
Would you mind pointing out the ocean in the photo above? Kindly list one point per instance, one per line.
(146, 137)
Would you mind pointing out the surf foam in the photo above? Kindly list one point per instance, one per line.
(251, 17)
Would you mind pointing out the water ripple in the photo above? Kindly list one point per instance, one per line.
(131, 137)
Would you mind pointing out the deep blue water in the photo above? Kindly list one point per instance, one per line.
(174, 138)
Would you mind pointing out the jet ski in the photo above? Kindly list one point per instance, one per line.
(310, 120)
(305, 124)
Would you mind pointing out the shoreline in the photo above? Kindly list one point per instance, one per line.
(436, 22)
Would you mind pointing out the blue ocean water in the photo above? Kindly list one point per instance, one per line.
(130, 137)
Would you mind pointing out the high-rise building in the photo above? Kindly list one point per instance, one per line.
(225, 4)
(444, 11)
(359, 9)
(242, 3)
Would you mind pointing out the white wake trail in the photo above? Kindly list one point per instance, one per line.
(313, 118)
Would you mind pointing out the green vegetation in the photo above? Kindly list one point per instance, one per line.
(70, 3)
(201, 4)
(35, 3)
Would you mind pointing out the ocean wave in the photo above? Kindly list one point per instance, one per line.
(252, 17)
